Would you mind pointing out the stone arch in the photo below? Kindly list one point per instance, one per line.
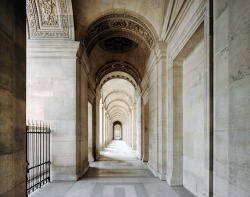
(119, 22)
(121, 100)
(119, 106)
(120, 92)
(120, 66)
(119, 75)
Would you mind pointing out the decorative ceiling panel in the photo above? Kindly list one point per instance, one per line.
(118, 25)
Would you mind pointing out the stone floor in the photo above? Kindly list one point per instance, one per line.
(118, 173)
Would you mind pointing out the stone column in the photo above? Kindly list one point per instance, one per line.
(175, 126)
(161, 53)
(156, 68)
(107, 130)
(53, 90)
(130, 129)
(97, 121)
(134, 134)
(103, 127)
(139, 103)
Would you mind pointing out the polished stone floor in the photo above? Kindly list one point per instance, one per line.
(118, 173)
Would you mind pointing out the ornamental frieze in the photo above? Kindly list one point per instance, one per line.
(49, 19)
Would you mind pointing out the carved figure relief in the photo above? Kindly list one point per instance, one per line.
(48, 19)
(48, 12)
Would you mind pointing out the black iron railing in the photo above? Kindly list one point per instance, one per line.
(38, 155)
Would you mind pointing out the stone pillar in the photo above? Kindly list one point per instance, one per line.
(98, 126)
(175, 127)
(106, 133)
(145, 144)
(130, 129)
(52, 89)
(82, 163)
(139, 103)
(103, 127)
(134, 134)
(161, 53)
(94, 129)
(12, 98)
(156, 68)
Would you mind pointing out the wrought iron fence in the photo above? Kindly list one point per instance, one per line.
(38, 155)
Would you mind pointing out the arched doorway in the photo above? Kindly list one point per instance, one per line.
(117, 130)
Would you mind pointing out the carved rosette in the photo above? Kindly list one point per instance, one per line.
(49, 19)
(118, 25)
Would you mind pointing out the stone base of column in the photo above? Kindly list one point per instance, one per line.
(144, 159)
(156, 173)
(174, 179)
(83, 172)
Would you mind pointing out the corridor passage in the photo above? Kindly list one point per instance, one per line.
(118, 173)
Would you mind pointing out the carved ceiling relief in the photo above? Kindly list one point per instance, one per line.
(118, 45)
(49, 19)
(124, 26)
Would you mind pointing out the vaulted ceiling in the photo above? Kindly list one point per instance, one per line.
(116, 36)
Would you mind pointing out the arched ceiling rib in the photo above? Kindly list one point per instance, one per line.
(150, 10)
(119, 101)
(118, 115)
(117, 75)
(120, 25)
(119, 93)
(118, 65)
(114, 97)
(118, 107)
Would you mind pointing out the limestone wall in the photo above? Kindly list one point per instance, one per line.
(153, 151)
(82, 163)
(231, 98)
(51, 96)
(194, 95)
(12, 98)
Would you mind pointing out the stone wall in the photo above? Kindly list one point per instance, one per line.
(231, 98)
(82, 163)
(12, 98)
(51, 96)
(194, 95)
(153, 152)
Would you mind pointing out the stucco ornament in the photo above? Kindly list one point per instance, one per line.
(118, 25)
(49, 19)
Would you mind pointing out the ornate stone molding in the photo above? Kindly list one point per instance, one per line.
(118, 25)
(121, 66)
(49, 19)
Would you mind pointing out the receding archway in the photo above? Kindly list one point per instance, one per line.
(117, 130)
